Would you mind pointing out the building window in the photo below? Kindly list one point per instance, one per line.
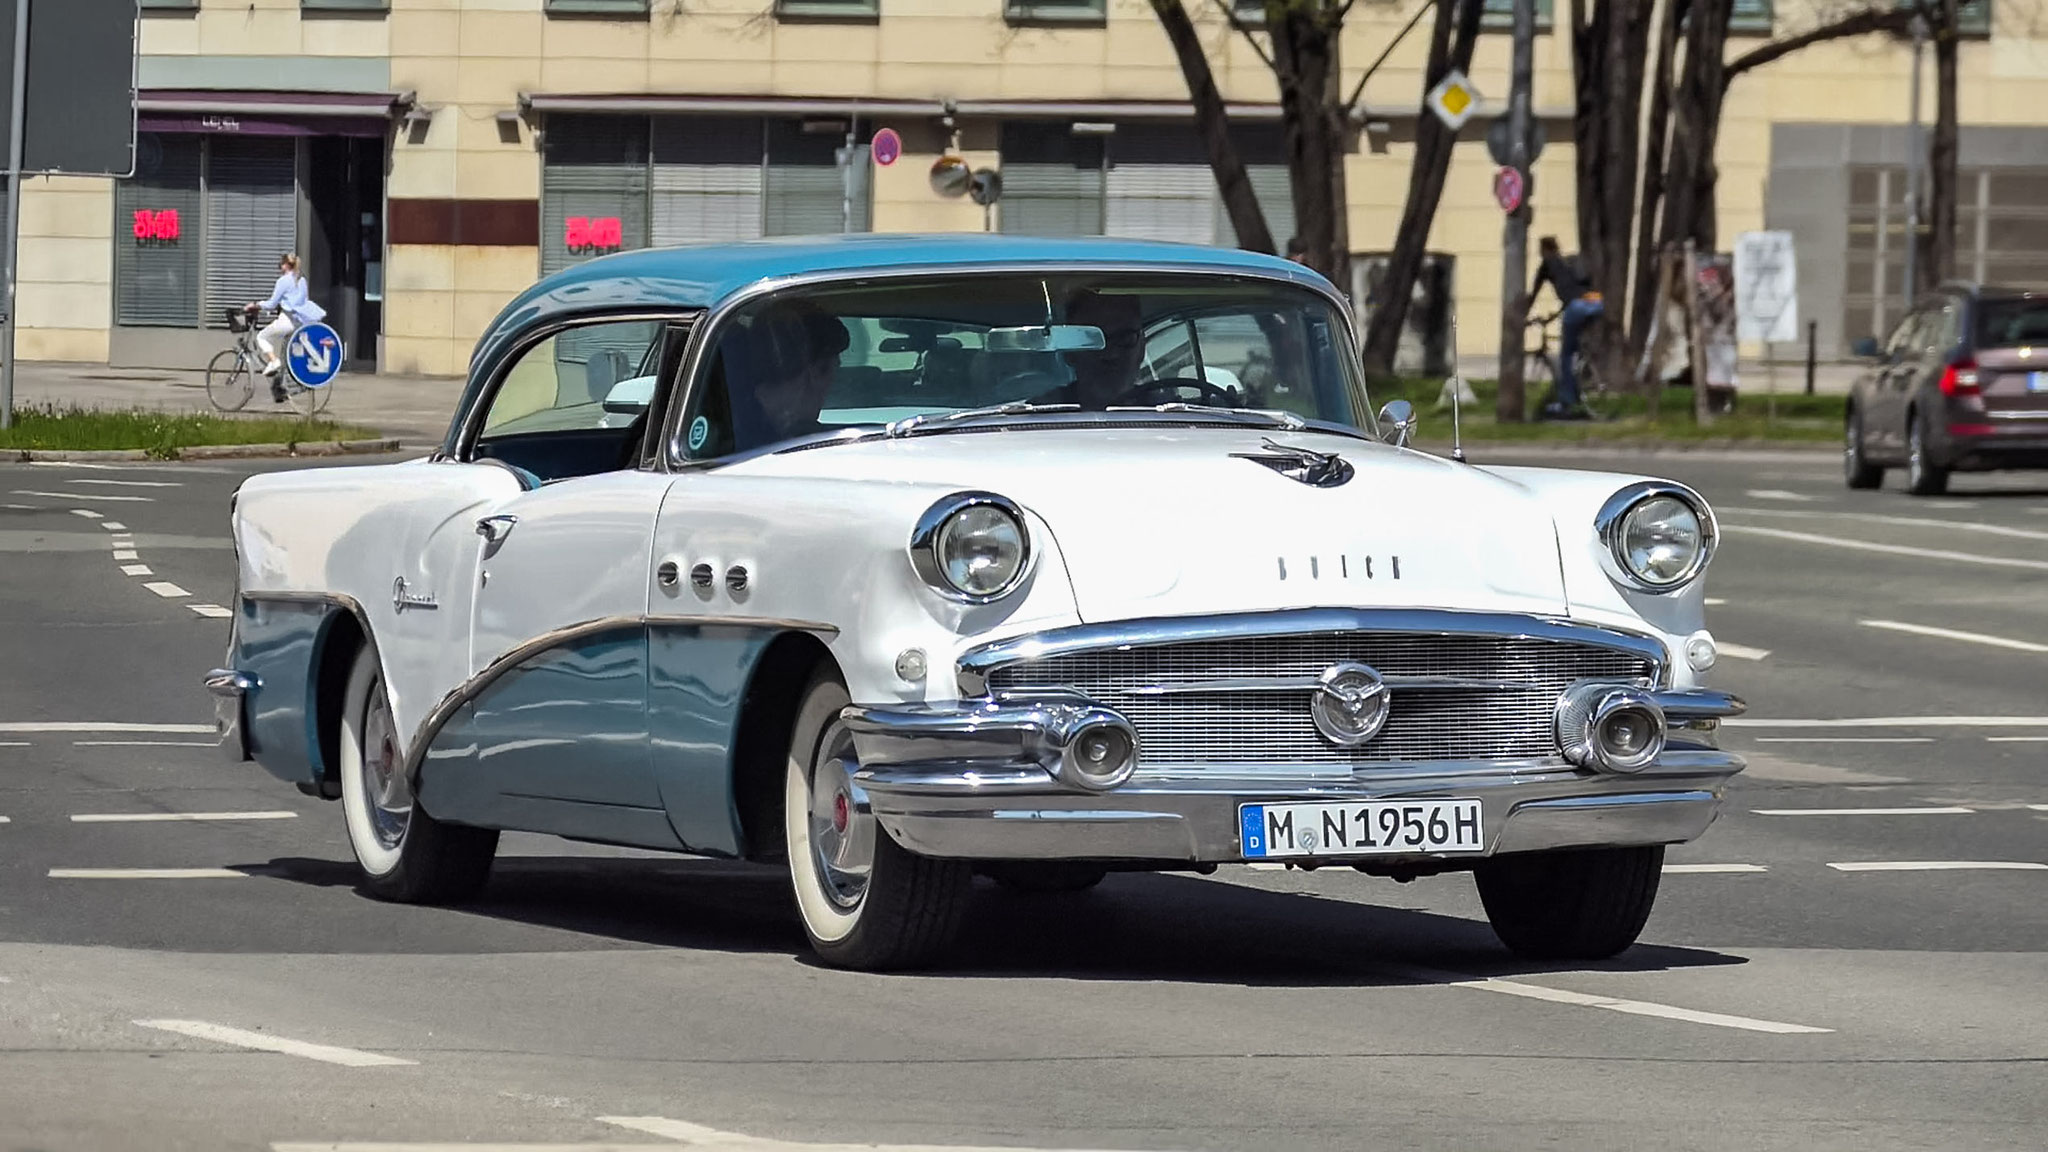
(1973, 17)
(170, 5)
(317, 6)
(1143, 181)
(1499, 15)
(1250, 13)
(1751, 16)
(596, 7)
(828, 9)
(1055, 11)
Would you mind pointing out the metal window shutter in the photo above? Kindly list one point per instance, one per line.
(252, 218)
(1271, 185)
(1159, 186)
(594, 167)
(1052, 181)
(707, 179)
(156, 282)
(806, 188)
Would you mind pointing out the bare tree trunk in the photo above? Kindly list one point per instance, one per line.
(1689, 173)
(1590, 80)
(1450, 46)
(1233, 183)
(1938, 244)
(1305, 59)
(1647, 288)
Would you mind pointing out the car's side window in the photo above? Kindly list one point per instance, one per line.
(1902, 343)
(573, 403)
(1942, 329)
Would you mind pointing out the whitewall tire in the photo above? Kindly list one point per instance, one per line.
(866, 902)
(405, 854)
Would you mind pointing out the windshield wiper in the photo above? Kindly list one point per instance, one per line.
(909, 424)
(1263, 416)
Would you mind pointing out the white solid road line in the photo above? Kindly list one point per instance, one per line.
(137, 570)
(1890, 549)
(211, 611)
(131, 483)
(692, 1136)
(3, 820)
(87, 496)
(1740, 652)
(1706, 869)
(265, 1042)
(144, 744)
(103, 726)
(1714, 602)
(1876, 518)
(2016, 739)
(167, 590)
(15, 744)
(1845, 739)
(1758, 493)
(1939, 866)
(1863, 811)
(1610, 1003)
(1893, 722)
(1952, 634)
(156, 817)
(147, 874)
(2037, 807)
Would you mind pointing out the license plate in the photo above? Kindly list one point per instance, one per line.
(2037, 381)
(1360, 828)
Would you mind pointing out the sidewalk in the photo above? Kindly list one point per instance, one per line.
(415, 409)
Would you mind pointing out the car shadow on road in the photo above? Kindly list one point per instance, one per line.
(1160, 927)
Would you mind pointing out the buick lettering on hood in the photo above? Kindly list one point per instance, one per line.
(895, 561)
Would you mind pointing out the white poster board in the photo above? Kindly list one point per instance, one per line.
(1766, 288)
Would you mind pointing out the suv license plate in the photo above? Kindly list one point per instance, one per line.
(1360, 828)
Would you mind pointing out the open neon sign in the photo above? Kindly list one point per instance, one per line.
(587, 234)
(159, 226)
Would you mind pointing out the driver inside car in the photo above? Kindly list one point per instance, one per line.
(1104, 377)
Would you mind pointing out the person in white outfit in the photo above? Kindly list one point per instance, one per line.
(294, 308)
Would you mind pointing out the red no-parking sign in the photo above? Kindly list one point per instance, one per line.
(1508, 189)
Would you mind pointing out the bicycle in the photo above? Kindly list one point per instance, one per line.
(232, 374)
(1541, 368)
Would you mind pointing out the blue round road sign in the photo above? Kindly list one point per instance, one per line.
(314, 355)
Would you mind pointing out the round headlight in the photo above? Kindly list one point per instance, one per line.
(1659, 536)
(972, 547)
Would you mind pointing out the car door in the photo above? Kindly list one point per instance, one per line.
(1884, 428)
(555, 737)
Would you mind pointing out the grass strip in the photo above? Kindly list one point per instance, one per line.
(162, 433)
(1797, 418)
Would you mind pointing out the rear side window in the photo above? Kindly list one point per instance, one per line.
(2013, 321)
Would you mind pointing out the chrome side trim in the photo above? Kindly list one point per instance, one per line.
(702, 338)
(1607, 524)
(470, 689)
(228, 683)
(977, 664)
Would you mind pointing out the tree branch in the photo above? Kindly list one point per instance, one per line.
(1358, 89)
(1883, 19)
(1245, 30)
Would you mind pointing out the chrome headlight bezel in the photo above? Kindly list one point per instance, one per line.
(1612, 522)
(925, 542)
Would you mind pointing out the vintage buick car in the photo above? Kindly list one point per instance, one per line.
(898, 560)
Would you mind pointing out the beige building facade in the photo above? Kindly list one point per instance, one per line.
(431, 158)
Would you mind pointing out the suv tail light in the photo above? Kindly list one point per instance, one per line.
(1959, 379)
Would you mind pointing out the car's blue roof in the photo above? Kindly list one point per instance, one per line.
(704, 275)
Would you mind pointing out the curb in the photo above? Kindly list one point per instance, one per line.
(207, 452)
(1761, 451)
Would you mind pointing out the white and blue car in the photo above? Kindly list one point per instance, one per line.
(898, 560)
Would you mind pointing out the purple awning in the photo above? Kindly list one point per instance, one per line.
(269, 113)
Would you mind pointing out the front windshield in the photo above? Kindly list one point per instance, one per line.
(919, 353)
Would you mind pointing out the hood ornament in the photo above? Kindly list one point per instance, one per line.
(1303, 465)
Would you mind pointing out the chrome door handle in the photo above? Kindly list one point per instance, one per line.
(496, 528)
(668, 574)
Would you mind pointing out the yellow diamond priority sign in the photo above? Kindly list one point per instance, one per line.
(1454, 99)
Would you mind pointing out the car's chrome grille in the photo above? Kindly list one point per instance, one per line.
(1237, 726)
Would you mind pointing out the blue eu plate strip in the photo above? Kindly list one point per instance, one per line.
(1252, 830)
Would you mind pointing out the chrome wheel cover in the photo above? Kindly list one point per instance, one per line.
(1916, 454)
(383, 775)
(842, 824)
(1852, 451)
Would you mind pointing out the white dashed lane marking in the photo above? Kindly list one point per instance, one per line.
(2016, 739)
(1845, 739)
(211, 611)
(1863, 811)
(1939, 866)
(1610, 1003)
(88, 513)
(1889, 549)
(147, 874)
(266, 1042)
(1893, 521)
(165, 817)
(1953, 634)
(1708, 869)
(37, 726)
(105, 497)
(167, 590)
(137, 570)
(1741, 652)
(1893, 722)
(131, 483)
(111, 526)
(143, 744)
(1778, 494)
(126, 554)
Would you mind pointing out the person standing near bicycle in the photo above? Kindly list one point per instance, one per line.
(294, 308)
(1581, 305)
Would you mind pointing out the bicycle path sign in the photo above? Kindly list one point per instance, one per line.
(1766, 288)
(314, 355)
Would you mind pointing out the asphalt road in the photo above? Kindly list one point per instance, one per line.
(1895, 652)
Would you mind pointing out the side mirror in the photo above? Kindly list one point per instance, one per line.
(1866, 349)
(630, 397)
(1397, 422)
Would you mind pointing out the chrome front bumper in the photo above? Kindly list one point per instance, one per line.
(983, 780)
(230, 689)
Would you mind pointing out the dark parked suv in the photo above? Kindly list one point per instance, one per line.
(1960, 386)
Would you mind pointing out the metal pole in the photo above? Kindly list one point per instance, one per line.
(17, 121)
(1916, 159)
(1812, 352)
(1514, 243)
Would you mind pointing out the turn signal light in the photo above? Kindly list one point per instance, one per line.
(1959, 379)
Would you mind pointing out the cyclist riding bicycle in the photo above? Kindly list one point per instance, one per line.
(294, 308)
(1582, 305)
